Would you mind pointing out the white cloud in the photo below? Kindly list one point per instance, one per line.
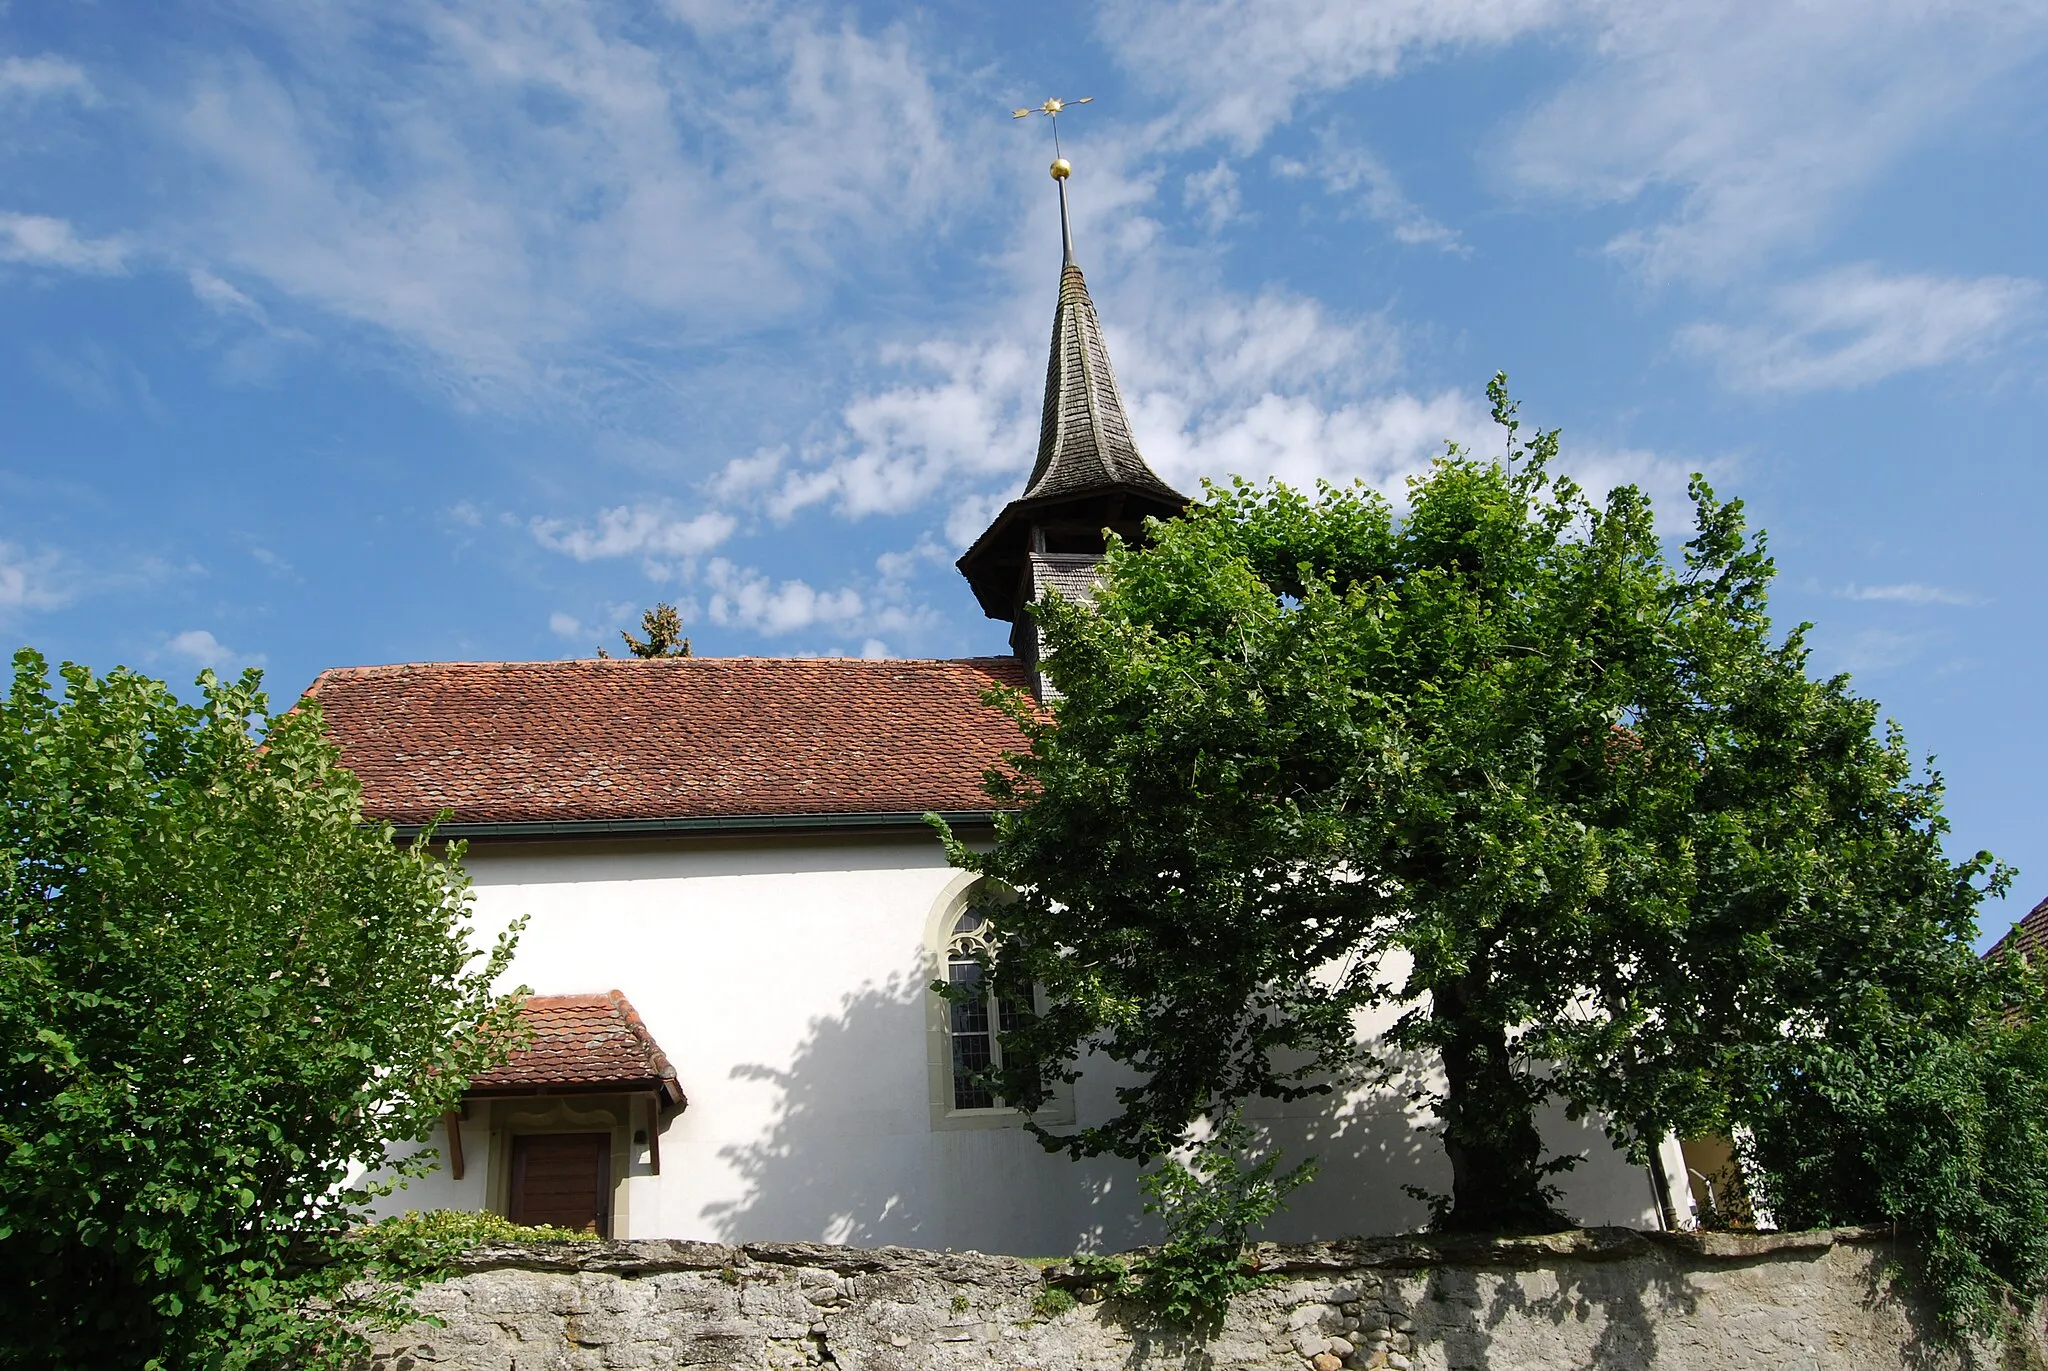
(972, 416)
(973, 512)
(1759, 117)
(1910, 593)
(34, 78)
(1663, 479)
(222, 298)
(1210, 376)
(201, 648)
(1244, 68)
(1380, 441)
(874, 649)
(567, 626)
(1220, 349)
(744, 598)
(1358, 173)
(745, 476)
(512, 189)
(28, 581)
(1213, 194)
(38, 240)
(649, 530)
(1857, 325)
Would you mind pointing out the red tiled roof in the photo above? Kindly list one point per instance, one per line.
(582, 1042)
(683, 737)
(2027, 936)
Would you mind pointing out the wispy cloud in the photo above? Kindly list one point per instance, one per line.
(29, 581)
(1857, 325)
(1219, 382)
(1910, 593)
(1757, 118)
(961, 413)
(1244, 69)
(36, 78)
(1356, 173)
(513, 190)
(199, 647)
(37, 240)
(648, 530)
(221, 297)
(1760, 118)
(1213, 195)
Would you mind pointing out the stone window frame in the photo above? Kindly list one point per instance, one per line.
(938, 943)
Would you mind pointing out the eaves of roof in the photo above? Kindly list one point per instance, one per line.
(733, 824)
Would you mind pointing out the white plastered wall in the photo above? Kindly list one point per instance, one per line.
(786, 979)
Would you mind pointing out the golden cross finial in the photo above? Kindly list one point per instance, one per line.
(1052, 109)
(1061, 170)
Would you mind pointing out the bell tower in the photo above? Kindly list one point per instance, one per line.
(1088, 478)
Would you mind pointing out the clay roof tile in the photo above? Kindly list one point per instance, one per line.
(583, 1042)
(2027, 936)
(685, 737)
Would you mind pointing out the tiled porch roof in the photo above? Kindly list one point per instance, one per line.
(583, 1043)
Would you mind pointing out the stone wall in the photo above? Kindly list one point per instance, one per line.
(1601, 1298)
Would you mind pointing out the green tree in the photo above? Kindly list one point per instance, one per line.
(663, 626)
(1926, 1112)
(1564, 802)
(222, 996)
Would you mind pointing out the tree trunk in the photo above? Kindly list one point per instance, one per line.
(1489, 1126)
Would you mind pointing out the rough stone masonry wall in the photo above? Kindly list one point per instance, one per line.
(1602, 1298)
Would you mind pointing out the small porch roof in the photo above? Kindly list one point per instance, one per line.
(583, 1044)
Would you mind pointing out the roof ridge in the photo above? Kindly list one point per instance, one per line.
(380, 669)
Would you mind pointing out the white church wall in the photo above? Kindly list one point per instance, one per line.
(786, 979)
(439, 1189)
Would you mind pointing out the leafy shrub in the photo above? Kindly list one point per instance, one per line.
(1210, 1204)
(1109, 1275)
(223, 997)
(427, 1243)
(1933, 1117)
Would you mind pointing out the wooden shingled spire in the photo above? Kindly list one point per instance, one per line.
(1089, 476)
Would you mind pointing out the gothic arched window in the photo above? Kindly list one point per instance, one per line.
(977, 1016)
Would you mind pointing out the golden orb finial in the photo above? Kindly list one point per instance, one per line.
(1061, 169)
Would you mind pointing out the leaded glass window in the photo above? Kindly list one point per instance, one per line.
(978, 1016)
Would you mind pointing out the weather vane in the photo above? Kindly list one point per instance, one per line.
(1052, 110)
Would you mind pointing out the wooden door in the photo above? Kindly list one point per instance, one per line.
(564, 1179)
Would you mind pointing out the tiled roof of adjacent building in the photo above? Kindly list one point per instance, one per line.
(2027, 936)
(674, 738)
(583, 1042)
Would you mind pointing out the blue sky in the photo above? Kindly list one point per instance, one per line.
(339, 334)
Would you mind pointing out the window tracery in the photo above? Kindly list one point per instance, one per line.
(977, 1017)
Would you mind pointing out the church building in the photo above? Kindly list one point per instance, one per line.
(735, 914)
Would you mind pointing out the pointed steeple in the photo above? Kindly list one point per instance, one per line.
(1089, 476)
(1084, 435)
